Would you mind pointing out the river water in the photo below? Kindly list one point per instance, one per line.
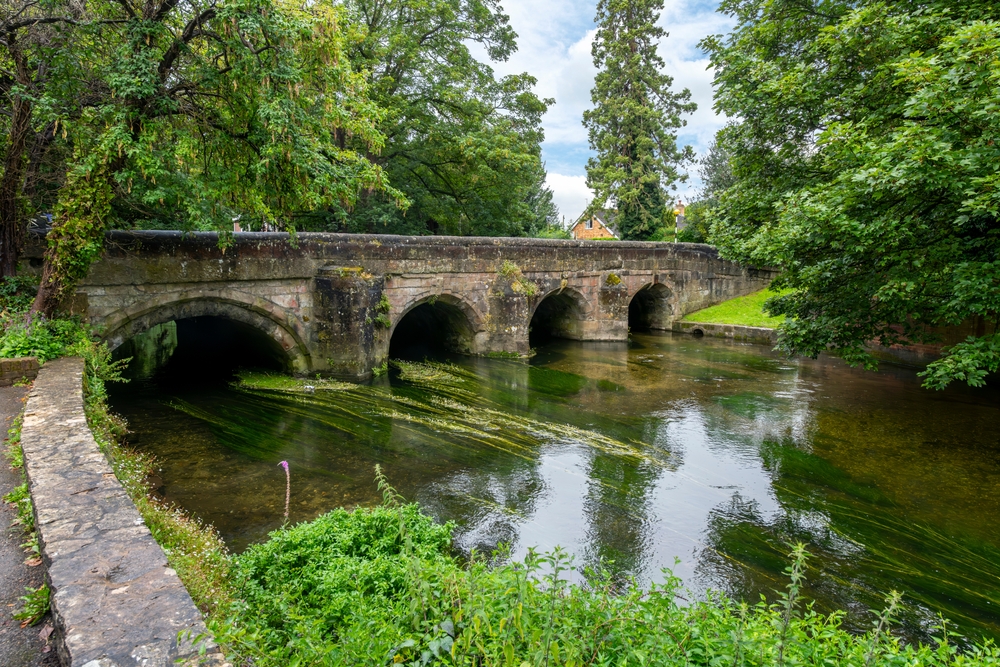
(705, 457)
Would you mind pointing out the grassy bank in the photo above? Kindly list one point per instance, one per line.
(747, 311)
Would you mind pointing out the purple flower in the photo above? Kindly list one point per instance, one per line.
(284, 464)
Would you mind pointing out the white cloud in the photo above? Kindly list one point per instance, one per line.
(570, 193)
(554, 40)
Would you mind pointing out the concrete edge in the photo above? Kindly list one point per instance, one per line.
(115, 600)
(758, 335)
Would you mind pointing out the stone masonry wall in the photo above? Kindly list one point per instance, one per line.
(15, 370)
(115, 600)
(319, 295)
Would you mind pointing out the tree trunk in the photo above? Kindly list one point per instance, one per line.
(12, 220)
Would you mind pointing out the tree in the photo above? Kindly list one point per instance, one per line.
(463, 145)
(633, 125)
(716, 173)
(200, 112)
(24, 34)
(865, 167)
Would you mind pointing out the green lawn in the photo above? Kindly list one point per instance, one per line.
(746, 311)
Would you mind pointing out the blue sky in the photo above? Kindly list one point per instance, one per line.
(554, 38)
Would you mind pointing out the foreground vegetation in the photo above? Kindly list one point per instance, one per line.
(380, 586)
(747, 311)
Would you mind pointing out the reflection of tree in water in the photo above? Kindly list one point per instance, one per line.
(616, 509)
(490, 502)
(857, 555)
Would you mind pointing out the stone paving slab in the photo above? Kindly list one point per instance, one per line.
(115, 600)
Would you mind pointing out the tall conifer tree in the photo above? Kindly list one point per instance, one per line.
(633, 125)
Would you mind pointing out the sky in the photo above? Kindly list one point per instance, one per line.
(554, 38)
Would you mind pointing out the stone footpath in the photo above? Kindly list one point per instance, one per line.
(115, 600)
(19, 647)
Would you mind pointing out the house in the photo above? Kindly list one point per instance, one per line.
(598, 225)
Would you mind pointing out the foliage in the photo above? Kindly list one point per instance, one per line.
(553, 231)
(633, 125)
(461, 143)
(697, 229)
(747, 311)
(194, 115)
(716, 173)
(382, 308)
(40, 337)
(379, 586)
(865, 168)
(17, 293)
(21, 499)
(36, 605)
(518, 283)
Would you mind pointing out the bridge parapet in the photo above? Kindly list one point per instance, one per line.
(333, 301)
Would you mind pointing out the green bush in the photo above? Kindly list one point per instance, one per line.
(379, 587)
(45, 339)
(17, 293)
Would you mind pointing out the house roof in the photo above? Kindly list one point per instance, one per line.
(606, 216)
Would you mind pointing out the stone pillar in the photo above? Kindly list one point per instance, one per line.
(349, 321)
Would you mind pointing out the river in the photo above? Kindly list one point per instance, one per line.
(706, 457)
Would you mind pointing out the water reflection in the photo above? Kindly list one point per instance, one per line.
(716, 454)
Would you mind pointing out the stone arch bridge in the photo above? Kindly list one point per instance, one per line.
(332, 302)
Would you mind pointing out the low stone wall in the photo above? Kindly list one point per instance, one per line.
(115, 599)
(760, 335)
(14, 370)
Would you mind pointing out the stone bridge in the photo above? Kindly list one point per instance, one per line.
(333, 303)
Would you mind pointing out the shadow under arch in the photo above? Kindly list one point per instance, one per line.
(559, 314)
(650, 308)
(123, 326)
(434, 324)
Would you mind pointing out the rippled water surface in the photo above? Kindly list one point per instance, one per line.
(702, 456)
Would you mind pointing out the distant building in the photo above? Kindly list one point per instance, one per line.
(598, 225)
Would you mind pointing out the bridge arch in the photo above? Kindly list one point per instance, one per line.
(228, 304)
(436, 322)
(560, 313)
(651, 307)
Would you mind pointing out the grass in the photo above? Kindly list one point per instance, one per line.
(747, 311)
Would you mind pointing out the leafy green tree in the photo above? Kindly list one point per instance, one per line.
(204, 113)
(696, 217)
(25, 35)
(865, 167)
(462, 144)
(633, 125)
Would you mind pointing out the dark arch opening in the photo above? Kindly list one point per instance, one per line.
(431, 329)
(559, 315)
(650, 309)
(201, 349)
